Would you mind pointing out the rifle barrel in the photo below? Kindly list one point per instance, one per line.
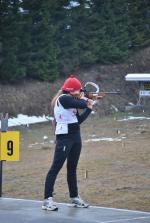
(110, 92)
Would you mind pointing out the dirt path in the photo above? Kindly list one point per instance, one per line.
(110, 173)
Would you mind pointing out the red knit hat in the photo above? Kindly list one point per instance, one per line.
(71, 84)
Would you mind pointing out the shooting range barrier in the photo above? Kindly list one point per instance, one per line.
(144, 86)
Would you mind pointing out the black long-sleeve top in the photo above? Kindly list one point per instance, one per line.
(67, 102)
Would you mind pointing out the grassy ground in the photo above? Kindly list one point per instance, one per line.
(113, 174)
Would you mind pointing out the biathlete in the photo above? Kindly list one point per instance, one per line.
(68, 140)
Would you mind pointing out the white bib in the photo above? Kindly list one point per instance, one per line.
(63, 117)
(61, 128)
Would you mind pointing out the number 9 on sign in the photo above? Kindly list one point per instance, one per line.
(9, 146)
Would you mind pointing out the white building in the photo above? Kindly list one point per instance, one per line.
(144, 85)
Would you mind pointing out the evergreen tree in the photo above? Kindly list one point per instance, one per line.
(111, 22)
(44, 39)
(66, 39)
(139, 28)
(85, 33)
(96, 31)
(76, 42)
(10, 67)
(42, 51)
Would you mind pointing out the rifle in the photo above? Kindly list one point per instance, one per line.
(97, 94)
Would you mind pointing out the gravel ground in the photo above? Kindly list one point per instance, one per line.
(113, 170)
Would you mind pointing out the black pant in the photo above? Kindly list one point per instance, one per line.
(67, 147)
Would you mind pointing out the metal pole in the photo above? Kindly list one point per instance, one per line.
(1, 177)
(4, 127)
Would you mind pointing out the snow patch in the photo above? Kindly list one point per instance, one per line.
(26, 120)
(133, 118)
(104, 139)
(40, 143)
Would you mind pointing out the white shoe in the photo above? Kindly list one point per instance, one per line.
(49, 204)
(78, 202)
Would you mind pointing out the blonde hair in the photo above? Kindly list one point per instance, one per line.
(55, 98)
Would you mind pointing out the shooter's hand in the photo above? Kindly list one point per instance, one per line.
(90, 103)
